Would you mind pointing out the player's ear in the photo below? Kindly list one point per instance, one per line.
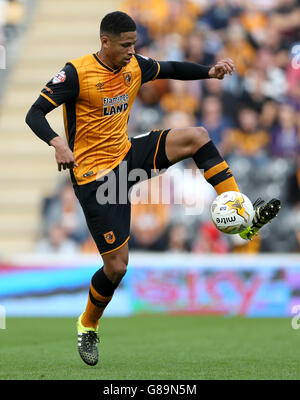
(105, 41)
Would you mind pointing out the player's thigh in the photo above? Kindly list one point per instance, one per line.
(148, 152)
(108, 223)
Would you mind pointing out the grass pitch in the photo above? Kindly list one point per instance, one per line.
(153, 347)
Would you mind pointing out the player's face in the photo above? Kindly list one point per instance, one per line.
(120, 49)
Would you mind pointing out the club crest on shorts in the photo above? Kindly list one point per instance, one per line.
(109, 237)
(127, 78)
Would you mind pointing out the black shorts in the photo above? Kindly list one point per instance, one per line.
(109, 223)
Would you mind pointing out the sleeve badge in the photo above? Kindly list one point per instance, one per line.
(59, 78)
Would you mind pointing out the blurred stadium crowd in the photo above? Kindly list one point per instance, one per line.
(252, 116)
(12, 16)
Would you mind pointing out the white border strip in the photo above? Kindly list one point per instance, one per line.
(163, 260)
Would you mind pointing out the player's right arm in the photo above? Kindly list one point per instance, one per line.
(62, 88)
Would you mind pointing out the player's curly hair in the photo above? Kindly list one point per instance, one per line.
(117, 22)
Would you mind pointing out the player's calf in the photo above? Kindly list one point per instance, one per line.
(195, 142)
(103, 284)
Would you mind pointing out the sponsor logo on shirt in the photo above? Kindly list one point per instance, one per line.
(115, 105)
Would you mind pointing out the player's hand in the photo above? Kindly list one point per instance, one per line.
(64, 156)
(222, 68)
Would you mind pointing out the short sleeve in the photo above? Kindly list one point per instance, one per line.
(62, 87)
(149, 67)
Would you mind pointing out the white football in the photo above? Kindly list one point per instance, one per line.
(232, 212)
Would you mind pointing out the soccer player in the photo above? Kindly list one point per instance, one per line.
(97, 92)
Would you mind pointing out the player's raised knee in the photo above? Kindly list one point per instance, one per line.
(198, 137)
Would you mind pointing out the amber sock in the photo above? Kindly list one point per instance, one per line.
(216, 169)
(100, 294)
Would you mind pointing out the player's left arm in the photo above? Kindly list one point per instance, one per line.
(192, 71)
(182, 70)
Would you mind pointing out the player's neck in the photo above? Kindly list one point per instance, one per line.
(106, 60)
